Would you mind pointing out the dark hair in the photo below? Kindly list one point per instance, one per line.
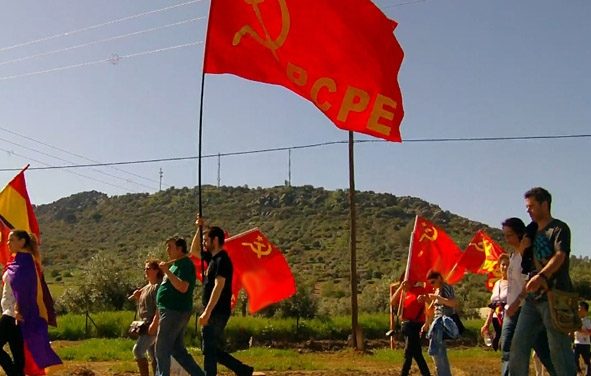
(216, 232)
(30, 245)
(583, 304)
(540, 195)
(153, 264)
(516, 225)
(179, 242)
(432, 274)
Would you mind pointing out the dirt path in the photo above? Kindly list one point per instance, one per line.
(465, 367)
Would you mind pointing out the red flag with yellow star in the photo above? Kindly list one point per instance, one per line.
(260, 268)
(432, 249)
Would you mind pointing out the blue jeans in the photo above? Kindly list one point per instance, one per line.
(540, 345)
(213, 352)
(170, 342)
(441, 361)
(535, 319)
(437, 349)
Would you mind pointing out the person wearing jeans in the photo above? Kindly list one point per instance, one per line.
(174, 300)
(548, 246)
(444, 303)
(514, 231)
(146, 311)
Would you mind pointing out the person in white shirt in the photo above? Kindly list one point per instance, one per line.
(514, 231)
(582, 339)
(498, 300)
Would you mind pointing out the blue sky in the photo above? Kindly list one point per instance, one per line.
(471, 69)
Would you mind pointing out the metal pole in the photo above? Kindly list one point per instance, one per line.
(161, 174)
(353, 246)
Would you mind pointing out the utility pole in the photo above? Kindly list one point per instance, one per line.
(357, 336)
(289, 168)
(161, 174)
(219, 169)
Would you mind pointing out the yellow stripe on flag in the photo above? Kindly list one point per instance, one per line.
(13, 207)
(40, 301)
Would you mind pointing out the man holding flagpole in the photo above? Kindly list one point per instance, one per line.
(217, 301)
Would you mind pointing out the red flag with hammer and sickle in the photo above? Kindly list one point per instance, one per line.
(340, 55)
(482, 257)
(5, 254)
(432, 249)
(260, 268)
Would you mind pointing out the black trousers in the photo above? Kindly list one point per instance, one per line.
(412, 348)
(10, 333)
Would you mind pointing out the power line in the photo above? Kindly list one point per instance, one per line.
(308, 146)
(65, 160)
(406, 3)
(91, 43)
(11, 152)
(76, 155)
(96, 26)
(113, 59)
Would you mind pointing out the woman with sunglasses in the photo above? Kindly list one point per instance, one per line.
(439, 324)
(146, 311)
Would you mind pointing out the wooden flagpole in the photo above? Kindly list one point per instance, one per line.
(356, 334)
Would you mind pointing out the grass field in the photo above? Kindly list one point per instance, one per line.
(113, 357)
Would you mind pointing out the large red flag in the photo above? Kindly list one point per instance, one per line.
(259, 267)
(431, 249)
(341, 55)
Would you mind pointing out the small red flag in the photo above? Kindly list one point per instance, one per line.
(432, 249)
(259, 267)
(482, 254)
(482, 257)
(340, 55)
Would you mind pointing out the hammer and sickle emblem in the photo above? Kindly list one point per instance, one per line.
(429, 233)
(266, 40)
(258, 248)
(480, 246)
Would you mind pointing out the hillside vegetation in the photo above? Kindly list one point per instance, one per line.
(310, 225)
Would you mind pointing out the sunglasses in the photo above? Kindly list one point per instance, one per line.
(432, 281)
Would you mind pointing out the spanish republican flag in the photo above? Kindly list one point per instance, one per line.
(340, 55)
(431, 249)
(16, 212)
(36, 307)
(260, 268)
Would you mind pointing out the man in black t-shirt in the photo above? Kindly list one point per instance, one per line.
(550, 247)
(217, 297)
